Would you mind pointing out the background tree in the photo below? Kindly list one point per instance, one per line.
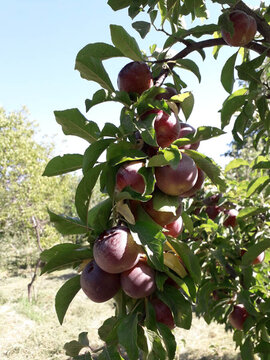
(23, 192)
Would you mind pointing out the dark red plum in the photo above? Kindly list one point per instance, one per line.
(115, 250)
(97, 284)
(139, 281)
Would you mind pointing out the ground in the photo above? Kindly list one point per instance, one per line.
(31, 330)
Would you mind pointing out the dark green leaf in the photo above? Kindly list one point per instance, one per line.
(74, 123)
(91, 68)
(119, 4)
(262, 165)
(231, 105)
(227, 74)
(100, 50)
(128, 339)
(64, 297)
(110, 353)
(110, 129)
(67, 225)
(150, 236)
(93, 152)
(63, 164)
(263, 348)
(189, 65)
(64, 256)
(188, 224)
(209, 167)
(83, 338)
(73, 348)
(108, 330)
(247, 350)
(99, 215)
(125, 43)
(84, 190)
(180, 307)
(168, 339)
(142, 27)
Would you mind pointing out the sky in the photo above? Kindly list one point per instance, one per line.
(39, 43)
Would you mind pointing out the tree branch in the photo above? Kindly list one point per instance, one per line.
(195, 46)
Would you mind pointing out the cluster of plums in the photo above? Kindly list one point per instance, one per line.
(119, 263)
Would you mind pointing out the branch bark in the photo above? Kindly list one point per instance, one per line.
(195, 46)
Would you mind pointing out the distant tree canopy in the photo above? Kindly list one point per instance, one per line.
(24, 194)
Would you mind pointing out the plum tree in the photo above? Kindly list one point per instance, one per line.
(244, 29)
(135, 77)
(176, 181)
(139, 281)
(115, 250)
(97, 284)
(133, 233)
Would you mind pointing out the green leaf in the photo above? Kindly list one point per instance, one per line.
(231, 105)
(180, 307)
(262, 165)
(168, 339)
(64, 297)
(74, 123)
(99, 50)
(200, 30)
(110, 353)
(63, 164)
(84, 190)
(64, 256)
(83, 338)
(255, 250)
(201, 133)
(119, 4)
(73, 348)
(150, 236)
(93, 152)
(190, 260)
(227, 74)
(189, 65)
(257, 185)
(67, 225)
(188, 224)
(250, 211)
(248, 69)
(92, 69)
(247, 350)
(108, 330)
(125, 43)
(186, 100)
(235, 164)
(166, 203)
(209, 167)
(110, 129)
(142, 27)
(99, 215)
(263, 348)
(128, 339)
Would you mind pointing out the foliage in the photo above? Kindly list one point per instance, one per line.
(23, 191)
(218, 275)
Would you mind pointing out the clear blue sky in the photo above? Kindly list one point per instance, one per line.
(39, 43)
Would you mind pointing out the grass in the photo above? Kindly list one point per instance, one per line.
(31, 330)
